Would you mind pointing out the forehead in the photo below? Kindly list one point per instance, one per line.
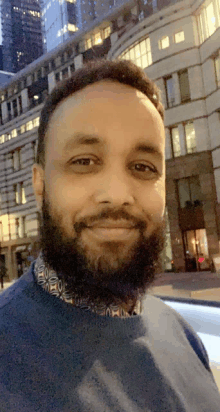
(105, 108)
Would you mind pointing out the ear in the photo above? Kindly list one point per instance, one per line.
(38, 183)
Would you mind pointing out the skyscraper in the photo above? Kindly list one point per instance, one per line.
(60, 21)
(21, 32)
(62, 18)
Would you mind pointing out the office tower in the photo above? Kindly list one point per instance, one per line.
(62, 18)
(60, 21)
(21, 32)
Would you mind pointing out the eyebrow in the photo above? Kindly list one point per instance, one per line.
(82, 139)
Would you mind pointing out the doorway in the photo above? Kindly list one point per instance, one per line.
(196, 250)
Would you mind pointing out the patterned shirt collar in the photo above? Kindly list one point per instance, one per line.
(49, 281)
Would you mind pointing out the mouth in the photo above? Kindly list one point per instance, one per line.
(112, 231)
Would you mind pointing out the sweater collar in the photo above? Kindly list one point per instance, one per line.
(49, 281)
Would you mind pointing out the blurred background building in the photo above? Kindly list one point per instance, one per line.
(177, 44)
(21, 33)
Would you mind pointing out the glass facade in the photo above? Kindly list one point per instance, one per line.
(60, 21)
(139, 53)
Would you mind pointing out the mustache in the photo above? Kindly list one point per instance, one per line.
(109, 214)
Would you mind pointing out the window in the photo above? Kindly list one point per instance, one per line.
(210, 19)
(106, 32)
(88, 43)
(190, 137)
(184, 86)
(29, 125)
(72, 68)
(36, 122)
(15, 109)
(14, 133)
(164, 42)
(2, 138)
(97, 38)
(16, 159)
(217, 69)
(189, 191)
(23, 197)
(206, 22)
(175, 141)
(57, 76)
(139, 53)
(7, 137)
(65, 73)
(23, 128)
(170, 95)
(179, 37)
(16, 193)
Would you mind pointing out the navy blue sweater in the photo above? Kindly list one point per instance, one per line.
(58, 358)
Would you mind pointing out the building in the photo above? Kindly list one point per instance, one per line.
(5, 76)
(178, 47)
(62, 19)
(21, 32)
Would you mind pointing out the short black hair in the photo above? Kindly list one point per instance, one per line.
(122, 71)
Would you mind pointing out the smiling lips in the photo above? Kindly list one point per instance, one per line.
(112, 230)
(111, 224)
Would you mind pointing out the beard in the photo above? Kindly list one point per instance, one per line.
(110, 274)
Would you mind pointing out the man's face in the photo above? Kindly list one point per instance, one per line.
(102, 193)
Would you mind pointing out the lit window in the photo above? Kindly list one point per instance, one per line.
(2, 138)
(164, 42)
(88, 44)
(97, 38)
(206, 22)
(72, 27)
(23, 128)
(211, 20)
(23, 197)
(14, 133)
(36, 122)
(175, 140)
(106, 32)
(29, 125)
(190, 138)
(139, 53)
(178, 37)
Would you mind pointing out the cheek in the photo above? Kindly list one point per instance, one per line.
(153, 201)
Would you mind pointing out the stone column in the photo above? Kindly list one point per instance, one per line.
(175, 232)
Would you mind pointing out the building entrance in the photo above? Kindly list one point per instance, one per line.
(196, 250)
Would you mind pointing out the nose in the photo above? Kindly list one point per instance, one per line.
(116, 190)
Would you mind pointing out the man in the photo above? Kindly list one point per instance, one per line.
(80, 332)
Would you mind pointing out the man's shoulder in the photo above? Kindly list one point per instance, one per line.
(167, 322)
(16, 290)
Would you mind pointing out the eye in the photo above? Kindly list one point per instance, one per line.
(82, 162)
(143, 168)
